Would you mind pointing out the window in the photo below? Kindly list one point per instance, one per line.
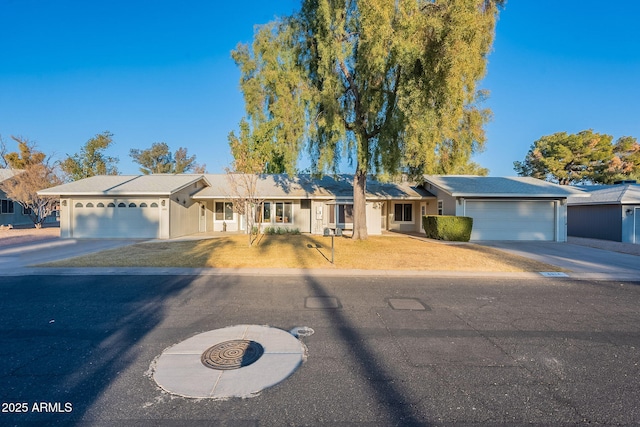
(403, 212)
(122, 205)
(26, 211)
(440, 207)
(89, 205)
(111, 205)
(6, 206)
(101, 205)
(264, 214)
(132, 205)
(224, 211)
(143, 205)
(283, 212)
(345, 214)
(154, 205)
(78, 205)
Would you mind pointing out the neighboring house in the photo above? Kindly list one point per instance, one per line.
(11, 212)
(168, 206)
(505, 208)
(611, 213)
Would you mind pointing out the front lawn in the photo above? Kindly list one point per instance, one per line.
(307, 251)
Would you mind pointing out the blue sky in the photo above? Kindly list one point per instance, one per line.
(159, 70)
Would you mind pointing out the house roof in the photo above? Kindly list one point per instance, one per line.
(281, 186)
(5, 174)
(609, 194)
(488, 186)
(121, 185)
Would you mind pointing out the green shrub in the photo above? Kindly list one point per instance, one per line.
(280, 231)
(445, 227)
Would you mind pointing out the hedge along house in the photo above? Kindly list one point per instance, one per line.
(611, 213)
(505, 208)
(169, 206)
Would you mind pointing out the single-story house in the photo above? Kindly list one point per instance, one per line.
(611, 213)
(168, 206)
(505, 208)
(11, 212)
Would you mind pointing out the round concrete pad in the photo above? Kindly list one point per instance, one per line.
(180, 371)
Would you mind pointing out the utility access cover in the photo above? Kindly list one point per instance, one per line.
(233, 354)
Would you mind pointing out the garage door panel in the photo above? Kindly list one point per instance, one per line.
(513, 220)
(108, 219)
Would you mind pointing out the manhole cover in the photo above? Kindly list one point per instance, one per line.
(232, 354)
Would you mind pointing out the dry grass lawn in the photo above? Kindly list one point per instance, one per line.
(306, 251)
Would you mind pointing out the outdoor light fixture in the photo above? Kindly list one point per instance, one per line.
(629, 212)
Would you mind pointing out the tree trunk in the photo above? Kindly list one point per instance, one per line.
(360, 205)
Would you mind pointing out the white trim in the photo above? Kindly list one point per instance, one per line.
(413, 217)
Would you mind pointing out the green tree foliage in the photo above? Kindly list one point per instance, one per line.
(159, 159)
(254, 151)
(275, 95)
(585, 157)
(388, 84)
(91, 160)
(625, 164)
(33, 173)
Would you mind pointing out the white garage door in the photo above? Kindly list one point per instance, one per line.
(512, 220)
(115, 218)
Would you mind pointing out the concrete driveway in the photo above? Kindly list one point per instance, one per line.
(25, 254)
(579, 260)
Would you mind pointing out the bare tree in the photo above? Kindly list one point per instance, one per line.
(24, 186)
(32, 173)
(243, 188)
(3, 152)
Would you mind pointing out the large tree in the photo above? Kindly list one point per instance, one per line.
(32, 174)
(568, 158)
(159, 159)
(388, 84)
(91, 160)
(625, 164)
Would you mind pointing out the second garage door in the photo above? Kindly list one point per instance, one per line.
(512, 220)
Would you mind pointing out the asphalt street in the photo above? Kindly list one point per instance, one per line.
(77, 350)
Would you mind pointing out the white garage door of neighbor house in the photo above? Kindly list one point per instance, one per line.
(512, 220)
(115, 218)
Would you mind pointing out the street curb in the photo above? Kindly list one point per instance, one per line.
(275, 272)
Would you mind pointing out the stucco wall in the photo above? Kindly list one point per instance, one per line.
(183, 215)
